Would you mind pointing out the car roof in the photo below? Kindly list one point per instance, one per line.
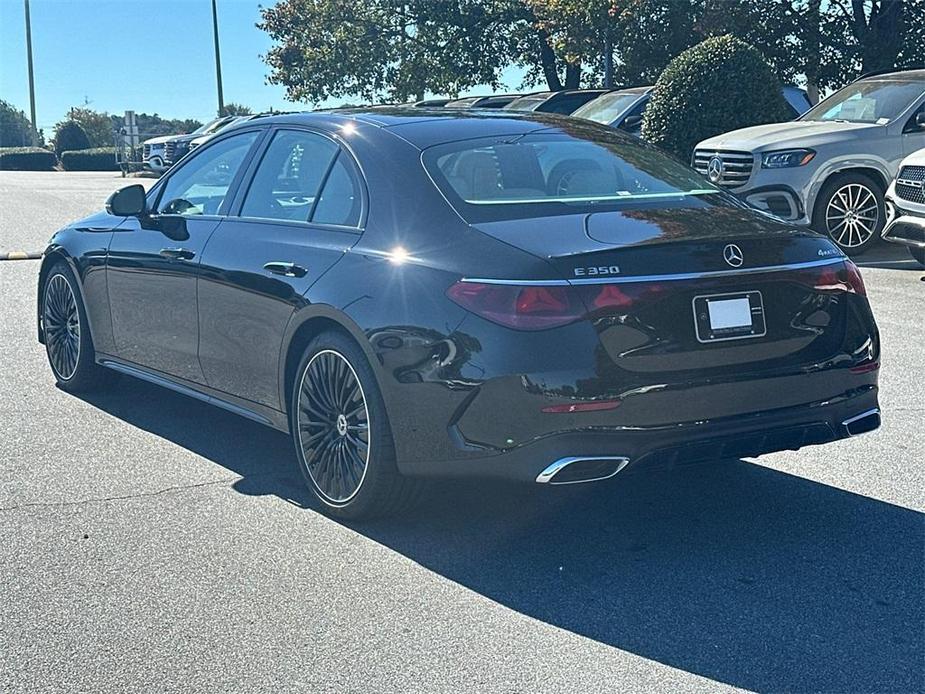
(895, 75)
(632, 90)
(422, 127)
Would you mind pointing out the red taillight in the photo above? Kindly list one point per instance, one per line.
(519, 307)
(855, 281)
(535, 307)
(842, 277)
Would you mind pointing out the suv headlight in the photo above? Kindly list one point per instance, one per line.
(786, 158)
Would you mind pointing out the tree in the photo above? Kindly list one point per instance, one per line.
(69, 136)
(15, 127)
(233, 109)
(692, 97)
(649, 33)
(153, 125)
(384, 49)
(97, 125)
(395, 50)
(578, 30)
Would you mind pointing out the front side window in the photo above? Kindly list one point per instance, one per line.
(200, 185)
(289, 177)
(868, 101)
(552, 173)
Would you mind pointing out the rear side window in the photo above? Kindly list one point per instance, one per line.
(289, 177)
(566, 104)
(339, 202)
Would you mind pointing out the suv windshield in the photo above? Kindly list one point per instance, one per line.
(607, 107)
(868, 101)
(549, 173)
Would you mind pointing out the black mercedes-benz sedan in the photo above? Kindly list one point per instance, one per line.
(415, 294)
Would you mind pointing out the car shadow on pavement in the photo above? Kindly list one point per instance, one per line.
(732, 571)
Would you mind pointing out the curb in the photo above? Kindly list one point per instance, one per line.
(21, 255)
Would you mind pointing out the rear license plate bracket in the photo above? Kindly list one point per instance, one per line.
(730, 316)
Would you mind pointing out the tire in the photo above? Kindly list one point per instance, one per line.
(918, 254)
(850, 211)
(342, 435)
(68, 342)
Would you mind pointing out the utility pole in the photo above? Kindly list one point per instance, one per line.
(218, 58)
(35, 129)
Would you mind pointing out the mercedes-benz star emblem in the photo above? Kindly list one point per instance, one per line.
(733, 255)
(715, 169)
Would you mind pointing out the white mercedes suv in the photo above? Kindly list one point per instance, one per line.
(905, 207)
(829, 168)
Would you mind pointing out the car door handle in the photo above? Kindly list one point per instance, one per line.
(178, 253)
(286, 269)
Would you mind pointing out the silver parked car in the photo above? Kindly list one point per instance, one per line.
(830, 168)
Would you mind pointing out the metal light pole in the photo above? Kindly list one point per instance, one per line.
(35, 129)
(218, 58)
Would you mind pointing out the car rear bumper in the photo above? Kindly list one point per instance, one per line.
(737, 436)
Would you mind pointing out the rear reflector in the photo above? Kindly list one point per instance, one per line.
(865, 368)
(594, 406)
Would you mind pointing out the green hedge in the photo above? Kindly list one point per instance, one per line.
(26, 159)
(97, 159)
(719, 85)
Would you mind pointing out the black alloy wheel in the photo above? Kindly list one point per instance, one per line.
(66, 332)
(342, 434)
(61, 321)
(333, 426)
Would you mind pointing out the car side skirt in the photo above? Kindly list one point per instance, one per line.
(244, 408)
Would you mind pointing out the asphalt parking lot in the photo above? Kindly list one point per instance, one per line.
(151, 542)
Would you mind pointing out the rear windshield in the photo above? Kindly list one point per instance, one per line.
(527, 103)
(547, 173)
(607, 107)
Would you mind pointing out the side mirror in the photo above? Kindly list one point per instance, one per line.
(631, 123)
(127, 202)
(920, 120)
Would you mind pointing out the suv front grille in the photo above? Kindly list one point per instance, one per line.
(905, 184)
(146, 152)
(170, 149)
(736, 167)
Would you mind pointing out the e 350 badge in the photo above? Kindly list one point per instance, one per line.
(598, 270)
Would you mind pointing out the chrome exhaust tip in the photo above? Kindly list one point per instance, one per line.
(577, 469)
(862, 423)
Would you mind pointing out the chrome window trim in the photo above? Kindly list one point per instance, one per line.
(614, 279)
